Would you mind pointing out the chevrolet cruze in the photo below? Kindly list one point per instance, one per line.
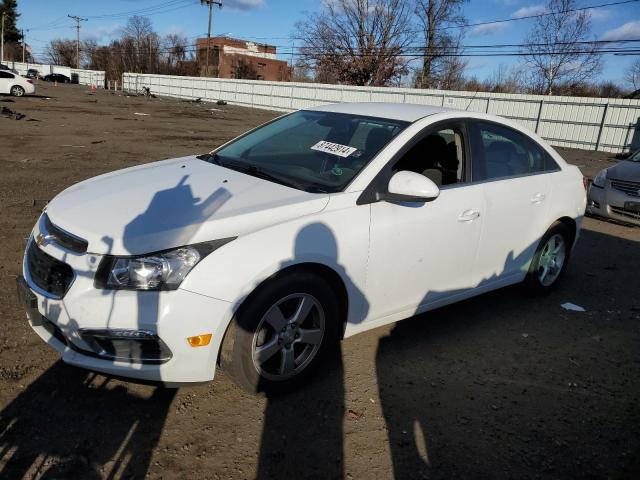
(260, 256)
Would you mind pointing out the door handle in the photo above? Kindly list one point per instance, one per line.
(538, 198)
(468, 215)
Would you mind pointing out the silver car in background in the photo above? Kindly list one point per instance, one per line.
(615, 192)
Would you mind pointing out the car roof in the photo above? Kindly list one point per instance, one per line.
(393, 111)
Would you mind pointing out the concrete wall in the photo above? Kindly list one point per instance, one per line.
(605, 124)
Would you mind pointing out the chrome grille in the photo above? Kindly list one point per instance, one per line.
(48, 273)
(626, 212)
(64, 238)
(630, 188)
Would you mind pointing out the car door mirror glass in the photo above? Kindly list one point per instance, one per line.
(406, 186)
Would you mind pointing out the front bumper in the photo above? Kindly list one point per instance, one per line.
(610, 203)
(171, 316)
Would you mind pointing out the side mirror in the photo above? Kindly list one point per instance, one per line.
(406, 186)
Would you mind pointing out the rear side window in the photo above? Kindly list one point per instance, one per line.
(500, 152)
(6, 74)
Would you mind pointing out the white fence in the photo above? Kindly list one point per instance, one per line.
(85, 77)
(606, 124)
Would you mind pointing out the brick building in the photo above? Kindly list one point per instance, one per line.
(233, 58)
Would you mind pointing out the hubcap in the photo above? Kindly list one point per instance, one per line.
(17, 91)
(551, 260)
(288, 336)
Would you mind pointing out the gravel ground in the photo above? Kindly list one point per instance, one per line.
(500, 386)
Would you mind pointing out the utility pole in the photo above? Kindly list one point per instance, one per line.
(23, 45)
(210, 3)
(2, 40)
(78, 20)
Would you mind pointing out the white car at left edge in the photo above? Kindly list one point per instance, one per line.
(13, 84)
(263, 254)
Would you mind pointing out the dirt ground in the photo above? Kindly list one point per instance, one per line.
(501, 386)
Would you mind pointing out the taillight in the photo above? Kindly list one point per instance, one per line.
(29, 80)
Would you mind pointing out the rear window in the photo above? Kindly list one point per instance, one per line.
(500, 152)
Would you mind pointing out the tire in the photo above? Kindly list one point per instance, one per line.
(550, 260)
(17, 91)
(265, 351)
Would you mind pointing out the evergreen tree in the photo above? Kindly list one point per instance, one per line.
(11, 32)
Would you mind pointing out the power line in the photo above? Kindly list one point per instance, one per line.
(539, 15)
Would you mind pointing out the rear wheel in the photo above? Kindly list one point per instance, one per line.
(17, 91)
(281, 334)
(550, 260)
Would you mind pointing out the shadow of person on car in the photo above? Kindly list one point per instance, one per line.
(70, 423)
(478, 389)
(172, 219)
(302, 435)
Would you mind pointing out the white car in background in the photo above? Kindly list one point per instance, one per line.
(13, 84)
(321, 224)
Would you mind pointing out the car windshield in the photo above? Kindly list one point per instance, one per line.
(313, 151)
(635, 157)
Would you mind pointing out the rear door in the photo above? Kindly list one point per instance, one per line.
(511, 168)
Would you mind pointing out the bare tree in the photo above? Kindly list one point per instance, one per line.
(61, 52)
(556, 49)
(632, 75)
(437, 67)
(506, 80)
(357, 42)
(175, 50)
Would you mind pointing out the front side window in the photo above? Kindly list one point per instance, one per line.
(500, 152)
(309, 150)
(438, 155)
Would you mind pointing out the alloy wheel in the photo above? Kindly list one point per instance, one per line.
(288, 336)
(551, 260)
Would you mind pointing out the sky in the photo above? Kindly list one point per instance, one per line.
(273, 21)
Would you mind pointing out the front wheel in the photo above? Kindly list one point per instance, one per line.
(550, 260)
(281, 334)
(17, 91)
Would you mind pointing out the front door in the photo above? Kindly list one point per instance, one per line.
(424, 253)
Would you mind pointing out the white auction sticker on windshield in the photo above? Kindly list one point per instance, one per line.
(333, 148)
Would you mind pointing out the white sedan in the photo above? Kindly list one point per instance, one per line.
(260, 256)
(13, 84)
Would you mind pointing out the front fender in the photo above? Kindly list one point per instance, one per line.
(337, 237)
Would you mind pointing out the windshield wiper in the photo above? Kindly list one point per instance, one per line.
(258, 172)
(209, 157)
(254, 171)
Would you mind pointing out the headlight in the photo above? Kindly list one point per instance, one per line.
(155, 271)
(600, 179)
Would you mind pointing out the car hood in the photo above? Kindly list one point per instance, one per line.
(625, 170)
(172, 203)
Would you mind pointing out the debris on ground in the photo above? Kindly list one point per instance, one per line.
(141, 114)
(8, 113)
(353, 415)
(572, 307)
(221, 102)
